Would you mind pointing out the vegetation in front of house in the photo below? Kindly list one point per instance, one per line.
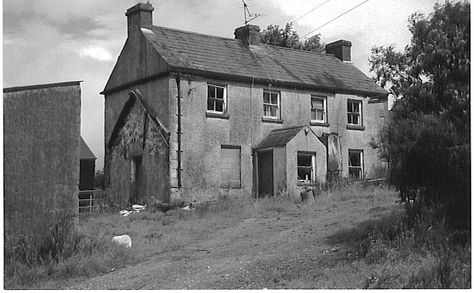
(62, 254)
(388, 250)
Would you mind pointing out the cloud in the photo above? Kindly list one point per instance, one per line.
(96, 52)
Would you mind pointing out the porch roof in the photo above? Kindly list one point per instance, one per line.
(280, 137)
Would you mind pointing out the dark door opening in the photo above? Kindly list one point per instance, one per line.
(265, 173)
(135, 178)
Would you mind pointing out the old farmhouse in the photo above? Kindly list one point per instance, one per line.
(190, 116)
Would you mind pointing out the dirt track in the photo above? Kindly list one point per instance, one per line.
(278, 250)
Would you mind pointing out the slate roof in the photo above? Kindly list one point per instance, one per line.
(86, 152)
(280, 137)
(190, 52)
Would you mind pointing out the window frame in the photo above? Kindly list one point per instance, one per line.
(359, 113)
(278, 105)
(224, 102)
(361, 159)
(325, 109)
(312, 180)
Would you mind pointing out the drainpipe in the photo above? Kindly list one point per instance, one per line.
(179, 129)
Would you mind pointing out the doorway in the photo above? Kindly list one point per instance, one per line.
(265, 173)
(135, 178)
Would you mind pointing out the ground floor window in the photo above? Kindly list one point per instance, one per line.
(356, 164)
(306, 167)
(230, 166)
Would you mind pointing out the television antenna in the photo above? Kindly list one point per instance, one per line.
(248, 14)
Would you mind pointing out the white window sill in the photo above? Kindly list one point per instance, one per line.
(217, 115)
(272, 120)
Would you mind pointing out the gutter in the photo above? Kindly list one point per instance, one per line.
(245, 79)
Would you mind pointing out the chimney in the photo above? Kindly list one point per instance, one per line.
(249, 34)
(139, 16)
(340, 49)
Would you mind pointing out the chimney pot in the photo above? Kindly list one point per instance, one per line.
(139, 16)
(340, 49)
(249, 34)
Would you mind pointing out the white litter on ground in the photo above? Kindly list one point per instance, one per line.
(136, 208)
(124, 240)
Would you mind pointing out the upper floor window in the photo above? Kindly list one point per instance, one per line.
(271, 104)
(354, 112)
(216, 98)
(319, 109)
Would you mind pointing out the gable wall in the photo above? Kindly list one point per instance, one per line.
(306, 143)
(137, 139)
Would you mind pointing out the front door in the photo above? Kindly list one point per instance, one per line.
(265, 173)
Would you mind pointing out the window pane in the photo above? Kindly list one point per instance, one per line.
(355, 173)
(273, 111)
(211, 91)
(304, 174)
(304, 160)
(355, 119)
(266, 97)
(219, 105)
(210, 105)
(317, 104)
(320, 115)
(355, 107)
(220, 93)
(274, 99)
(313, 114)
(354, 158)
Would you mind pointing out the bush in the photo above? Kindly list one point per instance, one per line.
(430, 165)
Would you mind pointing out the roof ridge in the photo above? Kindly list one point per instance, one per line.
(195, 33)
(237, 40)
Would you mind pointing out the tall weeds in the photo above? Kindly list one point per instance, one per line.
(62, 253)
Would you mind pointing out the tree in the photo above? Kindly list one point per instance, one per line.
(287, 37)
(427, 140)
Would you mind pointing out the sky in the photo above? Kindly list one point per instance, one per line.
(51, 41)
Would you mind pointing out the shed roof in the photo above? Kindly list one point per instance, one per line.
(86, 153)
(190, 52)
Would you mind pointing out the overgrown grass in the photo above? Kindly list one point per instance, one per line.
(89, 250)
(399, 253)
(64, 253)
(407, 253)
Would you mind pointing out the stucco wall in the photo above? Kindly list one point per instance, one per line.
(203, 136)
(137, 139)
(373, 117)
(41, 158)
(306, 143)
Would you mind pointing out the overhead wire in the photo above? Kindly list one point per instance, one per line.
(344, 13)
(308, 12)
